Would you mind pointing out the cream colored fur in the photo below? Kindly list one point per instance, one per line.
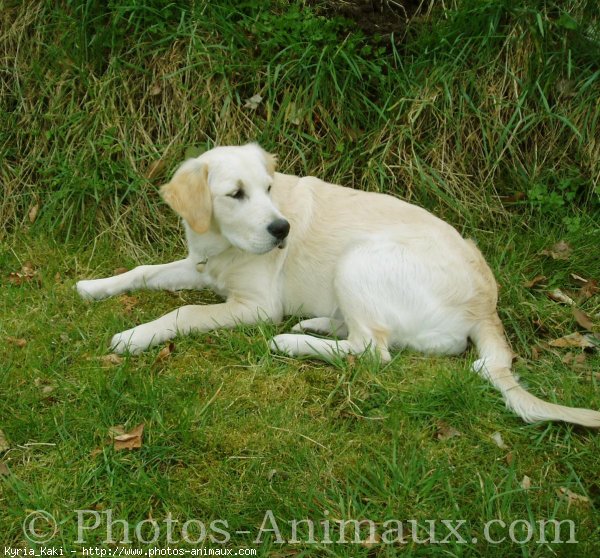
(373, 271)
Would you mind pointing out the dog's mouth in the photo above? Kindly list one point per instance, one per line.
(282, 243)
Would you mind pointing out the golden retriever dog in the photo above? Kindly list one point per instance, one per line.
(369, 270)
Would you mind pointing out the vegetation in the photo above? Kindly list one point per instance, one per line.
(484, 112)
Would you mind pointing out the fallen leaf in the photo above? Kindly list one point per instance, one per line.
(155, 90)
(497, 437)
(572, 497)
(17, 342)
(26, 274)
(576, 360)
(95, 452)
(560, 251)
(535, 281)
(33, 211)
(155, 169)
(111, 359)
(535, 352)
(4, 471)
(526, 483)
(127, 440)
(583, 319)
(44, 386)
(129, 302)
(3, 442)
(253, 102)
(509, 458)
(573, 340)
(47, 390)
(120, 270)
(445, 431)
(165, 352)
(589, 289)
(558, 296)
(578, 279)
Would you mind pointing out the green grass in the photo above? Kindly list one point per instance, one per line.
(492, 98)
(232, 431)
(485, 112)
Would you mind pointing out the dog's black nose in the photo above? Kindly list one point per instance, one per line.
(279, 228)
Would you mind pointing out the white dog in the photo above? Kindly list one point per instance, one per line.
(373, 271)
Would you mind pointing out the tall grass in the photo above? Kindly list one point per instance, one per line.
(477, 101)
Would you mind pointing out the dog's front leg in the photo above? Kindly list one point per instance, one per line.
(188, 319)
(173, 276)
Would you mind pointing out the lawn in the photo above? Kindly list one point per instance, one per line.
(213, 442)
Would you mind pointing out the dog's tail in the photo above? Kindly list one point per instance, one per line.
(495, 365)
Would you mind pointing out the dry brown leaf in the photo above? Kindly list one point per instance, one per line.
(165, 352)
(33, 211)
(129, 302)
(576, 360)
(155, 90)
(583, 319)
(509, 458)
(3, 442)
(111, 359)
(26, 274)
(559, 296)
(526, 483)
(572, 497)
(497, 437)
(572, 340)
(535, 352)
(18, 342)
(589, 289)
(127, 440)
(535, 281)
(560, 251)
(47, 390)
(120, 270)
(95, 452)
(445, 431)
(578, 279)
(4, 470)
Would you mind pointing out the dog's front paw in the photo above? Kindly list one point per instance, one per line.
(91, 289)
(285, 343)
(133, 341)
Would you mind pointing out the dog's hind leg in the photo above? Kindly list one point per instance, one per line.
(306, 345)
(323, 326)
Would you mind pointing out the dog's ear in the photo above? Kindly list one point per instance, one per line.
(188, 195)
(270, 162)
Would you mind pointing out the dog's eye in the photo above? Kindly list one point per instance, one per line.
(237, 195)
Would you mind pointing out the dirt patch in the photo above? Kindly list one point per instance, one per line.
(376, 17)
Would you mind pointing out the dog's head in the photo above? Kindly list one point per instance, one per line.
(228, 190)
